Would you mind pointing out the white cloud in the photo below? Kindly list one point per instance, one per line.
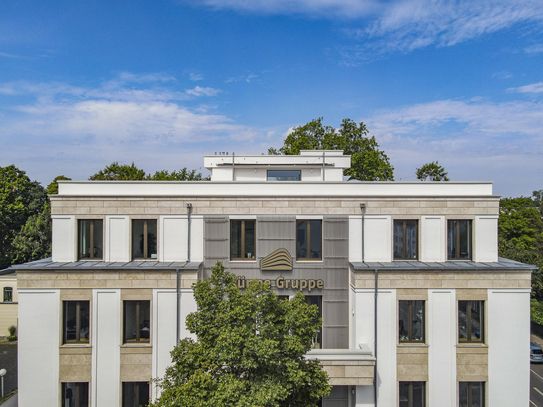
(533, 88)
(199, 91)
(533, 49)
(195, 76)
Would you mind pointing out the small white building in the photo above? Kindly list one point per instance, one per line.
(417, 308)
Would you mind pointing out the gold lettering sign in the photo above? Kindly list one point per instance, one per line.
(279, 260)
(281, 283)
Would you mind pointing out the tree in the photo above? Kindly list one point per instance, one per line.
(117, 172)
(52, 188)
(520, 235)
(368, 163)
(33, 241)
(249, 351)
(20, 198)
(432, 172)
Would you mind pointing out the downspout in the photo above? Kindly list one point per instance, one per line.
(178, 308)
(233, 169)
(375, 339)
(323, 163)
(363, 209)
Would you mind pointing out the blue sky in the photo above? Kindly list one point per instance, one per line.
(85, 83)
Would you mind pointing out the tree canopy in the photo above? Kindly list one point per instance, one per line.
(432, 172)
(520, 235)
(20, 198)
(249, 351)
(125, 172)
(368, 163)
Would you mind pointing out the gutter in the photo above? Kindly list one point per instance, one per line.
(178, 305)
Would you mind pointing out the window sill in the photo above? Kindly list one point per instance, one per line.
(309, 261)
(472, 345)
(242, 260)
(413, 345)
(137, 345)
(76, 345)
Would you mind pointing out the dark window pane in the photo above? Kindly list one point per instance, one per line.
(316, 342)
(398, 240)
(144, 239)
(301, 240)
(417, 321)
(284, 175)
(90, 239)
(412, 394)
(471, 394)
(404, 321)
(476, 321)
(315, 227)
(404, 394)
(135, 394)
(249, 239)
(8, 294)
(410, 239)
(470, 321)
(459, 239)
(76, 321)
(462, 321)
(137, 327)
(75, 394)
(464, 234)
(235, 239)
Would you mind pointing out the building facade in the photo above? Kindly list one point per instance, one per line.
(417, 309)
(9, 304)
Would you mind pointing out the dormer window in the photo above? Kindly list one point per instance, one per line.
(284, 175)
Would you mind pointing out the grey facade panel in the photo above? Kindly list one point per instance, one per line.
(339, 397)
(216, 234)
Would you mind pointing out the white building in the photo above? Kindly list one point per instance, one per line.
(448, 323)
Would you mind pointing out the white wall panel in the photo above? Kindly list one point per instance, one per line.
(508, 342)
(117, 238)
(197, 239)
(173, 238)
(386, 342)
(486, 238)
(164, 335)
(377, 238)
(106, 340)
(38, 348)
(355, 238)
(64, 238)
(432, 238)
(442, 348)
(365, 396)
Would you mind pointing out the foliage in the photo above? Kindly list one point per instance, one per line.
(117, 172)
(33, 241)
(12, 337)
(432, 172)
(52, 188)
(125, 172)
(537, 311)
(181, 175)
(250, 349)
(20, 198)
(520, 235)
(368, 163)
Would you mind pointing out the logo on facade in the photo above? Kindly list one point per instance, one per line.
(279, 260)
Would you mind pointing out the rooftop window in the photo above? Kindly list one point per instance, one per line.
(284, 175)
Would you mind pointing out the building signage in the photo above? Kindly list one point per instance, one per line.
(279, 260)
(282, 283)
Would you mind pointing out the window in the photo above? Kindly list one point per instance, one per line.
(8, 294)
(137, 327)
(470, 321)
(76, 321)
(309, 240)
(405, 239)
(242, 240)
(75, 394)
(135, 394)
(411, 321)
(284, 175)
(90, 239)
(471, 394)
(412, 394)
(316, 342)
(144, 239)
(459, 239)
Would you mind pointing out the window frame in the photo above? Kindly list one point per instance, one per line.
(145, 239)
(78, 339)
(136, 393)
(242, 243)
(468, 338)
(404, 248)
(410, 392)
(308, 238)
(91, 239)
(77, 385)
(8, 290)
(457, 232)
(469, 390)
(410, 325)
(138, 339)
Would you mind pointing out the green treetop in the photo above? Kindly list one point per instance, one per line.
(249, 349)
(432, 172)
